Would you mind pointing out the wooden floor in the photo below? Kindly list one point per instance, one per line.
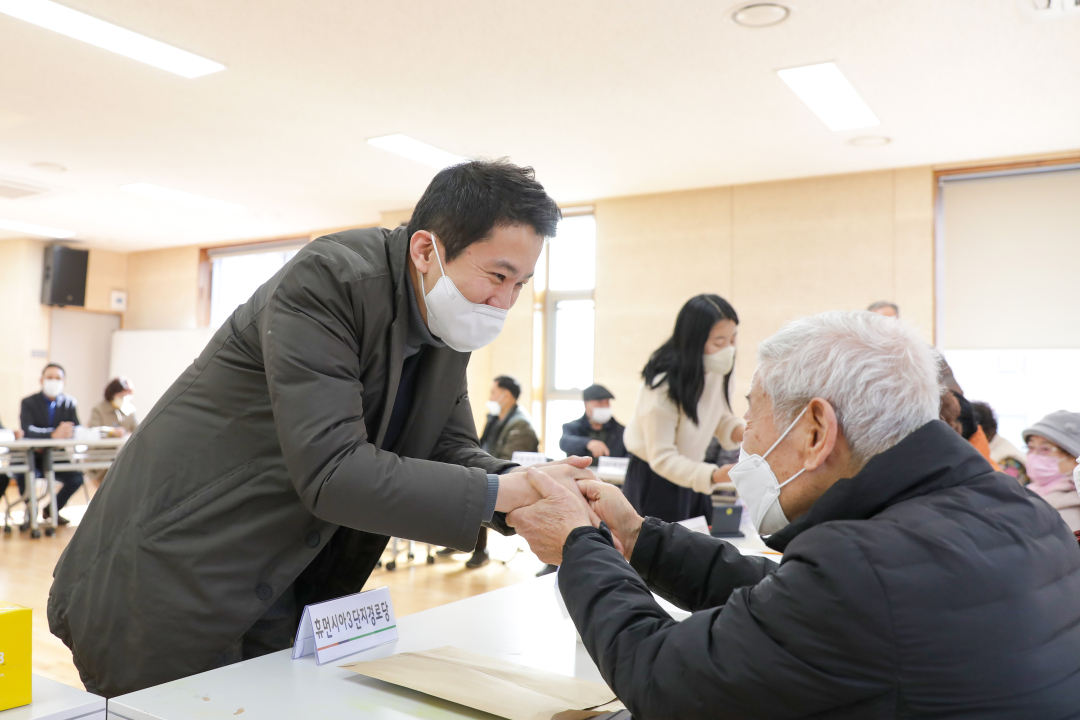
(26, 574)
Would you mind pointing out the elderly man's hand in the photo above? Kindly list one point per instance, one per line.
(547, 523)
(608, 502)
(516, 491)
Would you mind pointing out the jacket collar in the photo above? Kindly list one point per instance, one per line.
(397, 246)
(932, 458)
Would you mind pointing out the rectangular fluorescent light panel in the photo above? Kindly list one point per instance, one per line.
(105, 35)
(828, 93)
(41, 230)
(179, 196)
(415, 150)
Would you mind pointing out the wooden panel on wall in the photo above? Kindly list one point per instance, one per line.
(653, 252)
(105, 272)
(807, 246)
(163, 289)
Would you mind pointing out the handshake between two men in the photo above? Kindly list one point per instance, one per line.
(545, 503)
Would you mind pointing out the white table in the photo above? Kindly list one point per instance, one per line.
(70, 454)
(522, 624)
(56, 701)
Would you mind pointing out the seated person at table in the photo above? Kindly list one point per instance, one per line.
(508, 430)
(1004, 453)
(915, 581)
(595, 433)
(116, 413)
(17, 431)
(52, 414)
(1053, 444)
(4, 479)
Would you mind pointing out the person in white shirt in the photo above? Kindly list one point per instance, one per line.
(684, 402)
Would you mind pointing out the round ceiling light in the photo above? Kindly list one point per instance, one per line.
(49, 167)
(759, 15)
(870, 141)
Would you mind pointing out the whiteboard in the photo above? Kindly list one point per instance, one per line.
(153, 359)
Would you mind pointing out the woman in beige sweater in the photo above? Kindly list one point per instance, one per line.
(115, 413)
(684, 402)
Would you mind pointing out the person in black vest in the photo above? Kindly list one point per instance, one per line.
(52, 414)
(595, 433)
(4, 479)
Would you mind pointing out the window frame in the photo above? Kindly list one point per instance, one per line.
(546, 301)
(206, 266)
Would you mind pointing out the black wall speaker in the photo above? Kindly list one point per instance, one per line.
(64, 279)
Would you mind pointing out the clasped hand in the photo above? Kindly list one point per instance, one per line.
(558, 510)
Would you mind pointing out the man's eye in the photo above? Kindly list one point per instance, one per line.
(501, 278)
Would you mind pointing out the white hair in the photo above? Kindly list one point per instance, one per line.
(879, 376)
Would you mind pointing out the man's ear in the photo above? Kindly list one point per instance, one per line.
(822, 433)
(421, 250)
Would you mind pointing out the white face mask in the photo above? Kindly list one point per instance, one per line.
(463, 325)
(759, 489)
(721, 362)
(494, 408)
(600, 415)
(52, 388)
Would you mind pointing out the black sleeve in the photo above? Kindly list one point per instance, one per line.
(693, 570)
(571, 443)
(809, 638)
(34, 427)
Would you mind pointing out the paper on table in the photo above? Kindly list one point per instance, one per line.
(495, 686)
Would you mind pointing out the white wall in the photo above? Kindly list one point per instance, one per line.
(81, 342)
(1012, 262)
(153, 359)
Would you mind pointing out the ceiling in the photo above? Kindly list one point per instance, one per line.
(603, 97)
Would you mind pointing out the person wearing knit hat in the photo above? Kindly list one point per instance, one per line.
(1053, 445)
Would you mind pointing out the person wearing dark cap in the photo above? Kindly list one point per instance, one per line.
(595, 433)
(1053, 445)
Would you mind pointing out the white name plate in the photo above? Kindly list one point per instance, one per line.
(347, 625)
(525, 459)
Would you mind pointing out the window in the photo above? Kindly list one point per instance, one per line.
(238, 271)
(1007, 259)
(1022, 386)
(566, 314)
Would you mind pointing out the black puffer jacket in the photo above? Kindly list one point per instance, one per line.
(926, 586)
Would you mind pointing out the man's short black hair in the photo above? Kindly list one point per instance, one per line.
(58, 367)
(466, 202)
(506, 382)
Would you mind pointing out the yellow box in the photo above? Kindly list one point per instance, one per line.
(14, 656)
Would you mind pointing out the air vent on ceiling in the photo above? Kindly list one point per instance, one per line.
(16, 189)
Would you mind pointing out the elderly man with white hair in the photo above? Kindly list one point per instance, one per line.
(915, 580)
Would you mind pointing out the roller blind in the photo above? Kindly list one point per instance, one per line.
(1011, 247)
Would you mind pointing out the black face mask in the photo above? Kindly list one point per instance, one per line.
(967, 416)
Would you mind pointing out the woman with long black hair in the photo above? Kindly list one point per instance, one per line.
(684, 402)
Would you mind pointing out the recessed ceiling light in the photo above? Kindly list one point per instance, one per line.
(413, 149)
(759, 15)
(869, 141)
(49, 167)
(179, 196)
(80, 26)
(41, 230)
(828, 93)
